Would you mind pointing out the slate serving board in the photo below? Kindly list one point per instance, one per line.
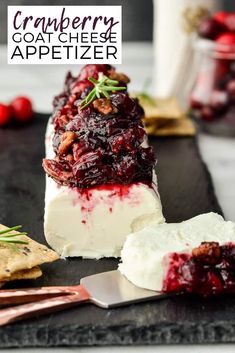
(186, 190)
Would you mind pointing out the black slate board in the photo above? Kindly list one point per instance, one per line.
(186, 190)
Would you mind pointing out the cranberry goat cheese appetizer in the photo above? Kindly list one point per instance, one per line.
(100, 169)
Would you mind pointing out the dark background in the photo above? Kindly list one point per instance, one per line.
(137, 14)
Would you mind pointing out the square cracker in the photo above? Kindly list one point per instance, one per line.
(26, 256)
(182, 127)
(161, 108)
(32, 273)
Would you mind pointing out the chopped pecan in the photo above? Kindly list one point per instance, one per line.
(56, 171)
(118, 76)
(104, 106)
(208, 252)
(66, 139)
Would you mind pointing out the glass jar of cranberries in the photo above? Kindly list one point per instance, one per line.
(213, 96)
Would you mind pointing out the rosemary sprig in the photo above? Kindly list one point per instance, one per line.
(102, 87)
(144, 96)
(6, 238)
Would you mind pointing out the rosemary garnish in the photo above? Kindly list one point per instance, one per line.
(6, 238)
(102, 87)
(144, 96)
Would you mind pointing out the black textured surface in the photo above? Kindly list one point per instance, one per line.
(186, 191)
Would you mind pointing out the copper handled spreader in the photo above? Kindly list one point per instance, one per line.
(106, 290)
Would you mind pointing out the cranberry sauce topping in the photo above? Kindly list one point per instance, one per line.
(209, 270)
(101, 143)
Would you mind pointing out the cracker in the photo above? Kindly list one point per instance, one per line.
(182, 127)
(161, 108)
(24, 257)
(156, 120)
(33, 273)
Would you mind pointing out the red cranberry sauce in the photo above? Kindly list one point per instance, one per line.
(94, 147)
(209, 270)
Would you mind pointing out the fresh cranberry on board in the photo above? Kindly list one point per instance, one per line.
(5, 114)
(22, 109)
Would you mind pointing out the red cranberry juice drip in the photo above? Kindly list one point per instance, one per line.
(186, 273)
(106, 195)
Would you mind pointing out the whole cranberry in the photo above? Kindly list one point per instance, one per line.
(5, 114)
(226, 38)
(209, 28)
(230, 22)
(220, 17)
(207, 113)
(92, 70)
(127, 105)
(219, 99)
(22, 109)
(231, 89)
(80, 86)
